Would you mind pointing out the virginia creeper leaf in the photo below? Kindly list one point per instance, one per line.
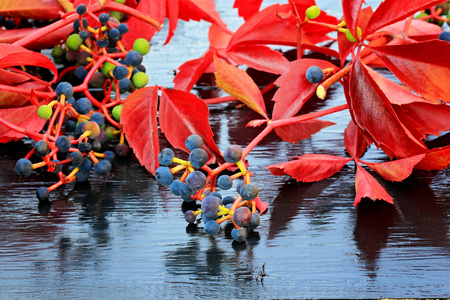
(294, 89)
(373, 113)
(259, 57)
(435, 159)
(182, 114)
(393, 11)
(368, 187)
(418, 30)
(172, 15)
(261, 206)
(247, 8)
(200, 10)
(25, 117)
(11, 100)
(355, 143)
(239, 84)
(31, 9)
(310, 167)
(44, 42)
(138, 117)
(423, 66)
(192, 70)
(300, 131)
(396, 170)
(351, 10)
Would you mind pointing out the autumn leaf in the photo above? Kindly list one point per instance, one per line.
(355, 143)
(25, 117)
(138, 118)
(247, 8)
(44, 42)
(423, 66)
(261, 206)
(435, 159)
(396, 170)
(351, 10)
(239, 84)
(374, 115)
(191, 71)
(182, 114)
(294, 89)
(368, 187)
(300, 131)
(200, 10)
(310, 167)
(31, 9)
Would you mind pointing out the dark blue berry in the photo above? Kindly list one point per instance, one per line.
(134, 58)
(164, 176)
(81, 9)
(43, 194)
(123, 28)
(84, 34)
(193, 141)
(198, 158)
(103, 41)
(84, 147)
(23, 167)
(87, 164)
(83, 106)
(224, 182)
(239, 234)
(111, 156)
(248, 192)
(98, 118)
(120, 72)
(63, 143)
(76, 24)
(228, 200)
(210, 206)
(196, 180)
(232, 154)
(445, 36)
(64, 88)
(190, 217)
(41, 148)
(165, 157)
(175, 187)
(77, 159)
(314, 74)
(103, 167)
(212, 227)
(124, 85)
(103, 18)
(115, 35)
(80, 73)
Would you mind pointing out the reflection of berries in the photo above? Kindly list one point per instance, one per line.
(43, 194)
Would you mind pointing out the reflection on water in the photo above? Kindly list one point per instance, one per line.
(123, 236)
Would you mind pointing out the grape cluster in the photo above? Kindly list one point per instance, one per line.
(199, 183)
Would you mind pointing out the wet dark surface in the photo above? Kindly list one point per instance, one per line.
(122, 236)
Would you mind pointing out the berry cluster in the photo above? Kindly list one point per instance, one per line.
(75, 136)
(438, 14)
(198, 183)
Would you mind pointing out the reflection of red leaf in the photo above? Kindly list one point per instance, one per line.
(239, 84)
(294, 88)
(247, 8)
(31, 9)
(390, 12)
(435, 159)
(396, 170)
(368, 187)
(299, 131)
(25, 117)
(138, 117)
(423, 66)
(355, 143)
(192, 70)
(182, 114)
(310, 167)
(373, 113)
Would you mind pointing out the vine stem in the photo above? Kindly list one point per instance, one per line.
(288, 121)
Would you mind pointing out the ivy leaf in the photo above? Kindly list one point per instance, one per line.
(138, 118)
(294, 89)
(423, 66)
(247, 8)
(435, 159)
(182, 114)
(368, 187)
(393, 11)
(300, 131)
(396, 170)
(31, 9)
(191, 71)
(310, 167)
(239, 84)
(374, 115)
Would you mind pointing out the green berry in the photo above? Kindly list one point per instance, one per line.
(121, 1)
(45, 112)
(107, 67)
(312, 12)
(350, 36)
(141, 45)
(116, 112)
(140, 79)
(57, 52)
(74, 42)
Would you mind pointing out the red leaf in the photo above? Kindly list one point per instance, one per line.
(373, 113)
(239, 84)
(259, 57)
(368, 187)
(396, 170)
(393, 11)
(435, 159)
(11, 100)
(256, 123)
(218, 39)
(351, 10)
(247, 8)
(182, 114)
(355, 143)
(261, 206)
(310, 167)
(192, 70)
(423, 66)
(45, 42)
(155, 9)
(31, 9)
(138, 117)
(25, 117)
(418, 30)
(300, 131)
(12, 55)
(200, 10)
(172, 15)
(294, 89)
